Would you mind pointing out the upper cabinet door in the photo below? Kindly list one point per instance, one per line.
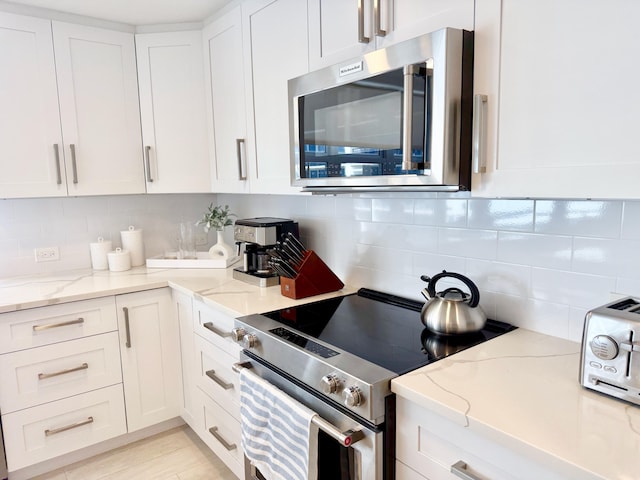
(172, 109)
(98, 94)
(560, 80)
(31, 162)
(273, 55)
(342, 29)
(225, 102)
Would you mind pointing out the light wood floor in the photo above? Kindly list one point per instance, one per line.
(177, 454)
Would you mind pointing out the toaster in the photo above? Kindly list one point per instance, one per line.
(610, 353)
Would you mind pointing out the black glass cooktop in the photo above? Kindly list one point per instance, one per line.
(381, 328)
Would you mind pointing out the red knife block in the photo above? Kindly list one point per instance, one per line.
(314, 278)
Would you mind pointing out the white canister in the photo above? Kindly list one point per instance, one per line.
(119, 260)
(99, 252)
(132, 242)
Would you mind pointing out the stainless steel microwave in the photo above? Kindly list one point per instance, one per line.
(395, 118)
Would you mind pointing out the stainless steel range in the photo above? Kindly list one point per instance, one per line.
(338, 357)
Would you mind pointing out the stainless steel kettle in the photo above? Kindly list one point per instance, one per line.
(452, 311)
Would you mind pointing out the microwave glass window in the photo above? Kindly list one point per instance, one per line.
(356, 129)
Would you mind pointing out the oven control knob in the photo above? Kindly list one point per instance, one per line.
(604, 347)
(330, 383)
(353, 397)
(238, 334)
(249, 340)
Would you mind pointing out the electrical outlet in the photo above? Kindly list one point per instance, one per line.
(202, 238)
(47, 254)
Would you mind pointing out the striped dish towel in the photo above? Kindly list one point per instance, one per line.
(277, 434)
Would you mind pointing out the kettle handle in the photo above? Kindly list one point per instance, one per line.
(431, 288)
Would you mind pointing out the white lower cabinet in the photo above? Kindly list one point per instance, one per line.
(55, 428)
(183, 308)
(217, 391)
(150, 354)
(434, 446)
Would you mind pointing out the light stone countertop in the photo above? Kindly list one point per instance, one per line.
(216, 287)
(521, 391)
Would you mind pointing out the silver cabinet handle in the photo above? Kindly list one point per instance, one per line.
(212, 375)
(147, 149)
(48, 433)
(46, 326)
(42, 376)
(229, 446)
(127, 329)
(479, 136)
(74, 165)
(407, 119)
(242, 165)
(376, 16)
(459, 469)
(56, 150)
(209, 326)
(361, 37)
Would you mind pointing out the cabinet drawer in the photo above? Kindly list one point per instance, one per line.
(405, 473)
(431, 444)
(47, 431)
(57, 323)
(216, 327)
(216, 377)
(43, 374)
(222, 434)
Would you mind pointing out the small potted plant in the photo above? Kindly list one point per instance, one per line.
(218, 218)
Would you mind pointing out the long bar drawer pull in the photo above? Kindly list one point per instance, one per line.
(42, 376)
(346, 438)
(212, 375)
(229, 446)
(459, 469)
(220, 333)
(46, 326)
(127, 327)
(48, 433)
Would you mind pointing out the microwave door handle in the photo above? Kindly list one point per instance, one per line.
(407, 117)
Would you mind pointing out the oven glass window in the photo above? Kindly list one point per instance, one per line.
(355, 130)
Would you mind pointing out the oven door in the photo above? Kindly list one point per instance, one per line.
(362, 460)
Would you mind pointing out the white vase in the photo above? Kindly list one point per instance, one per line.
(221, 249)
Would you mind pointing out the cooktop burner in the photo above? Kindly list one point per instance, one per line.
(383, 329)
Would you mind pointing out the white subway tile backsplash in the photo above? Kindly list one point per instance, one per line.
(468, 243)
(631, 221)
(392, 210)
(587, 218)
(501, 214)
(540, 264)
(441, 212)
(553, 251)
(569, 288)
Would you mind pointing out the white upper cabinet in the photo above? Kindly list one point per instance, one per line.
(225, 103)
(98, 92)
(274, 52)
(172, 109)
(31, 163)
(560, 80)
(341, 29)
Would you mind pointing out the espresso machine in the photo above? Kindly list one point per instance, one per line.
(259, 235)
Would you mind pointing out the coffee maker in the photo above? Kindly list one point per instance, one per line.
(259, 235)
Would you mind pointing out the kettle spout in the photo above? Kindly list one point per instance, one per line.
(425, 294)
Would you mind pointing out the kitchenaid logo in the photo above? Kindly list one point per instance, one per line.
(349, 69)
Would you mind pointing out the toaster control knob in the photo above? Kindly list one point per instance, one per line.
(238, 334)
(330, 383)
(604, 347)
(250, 340)
(353, 397)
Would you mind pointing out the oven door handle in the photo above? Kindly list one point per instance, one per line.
(346, 438)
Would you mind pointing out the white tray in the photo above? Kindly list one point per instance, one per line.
(203, 261)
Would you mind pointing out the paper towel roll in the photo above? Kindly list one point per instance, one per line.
(132, 242)
(99, 252)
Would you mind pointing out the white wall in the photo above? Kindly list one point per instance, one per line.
(539, 264)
